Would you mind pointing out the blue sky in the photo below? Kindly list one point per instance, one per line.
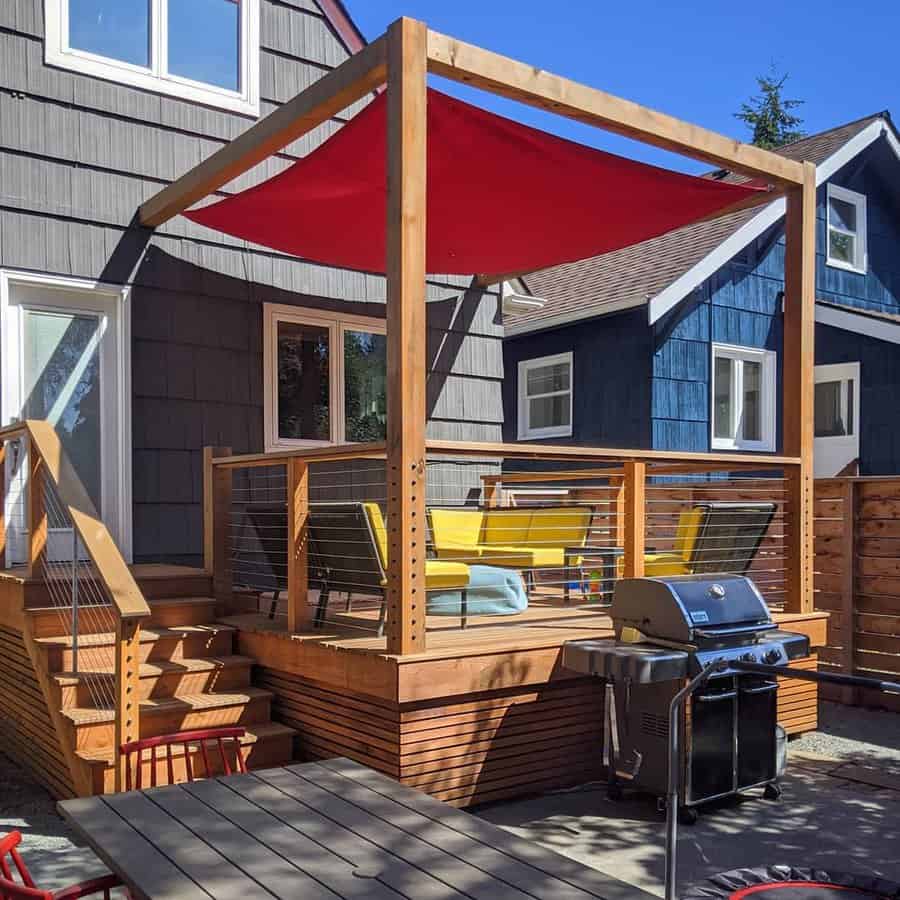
(695, 60)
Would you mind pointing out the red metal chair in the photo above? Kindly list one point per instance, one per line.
(24, 888)
(186, 739)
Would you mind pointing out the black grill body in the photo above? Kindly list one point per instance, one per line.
(684, 624)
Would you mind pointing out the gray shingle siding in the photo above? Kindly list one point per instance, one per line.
(77, 157)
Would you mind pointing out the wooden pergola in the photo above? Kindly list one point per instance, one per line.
(402, 59)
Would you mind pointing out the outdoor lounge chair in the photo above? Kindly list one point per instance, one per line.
(714, 538)
(348, 551)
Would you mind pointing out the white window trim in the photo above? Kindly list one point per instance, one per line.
(842, 372)
(57, 52)
(768, 360)
(337, 324)
(525, 365)
(120, 296)
(861, 264)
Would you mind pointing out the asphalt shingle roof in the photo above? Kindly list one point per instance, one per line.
(635, 274)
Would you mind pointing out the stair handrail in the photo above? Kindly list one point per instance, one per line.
(48, 459)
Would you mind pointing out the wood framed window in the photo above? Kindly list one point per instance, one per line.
(743, 398)
(206, 51)
(545, 396)
(325, 378)
(846, 229)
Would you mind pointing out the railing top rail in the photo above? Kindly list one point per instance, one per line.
(374, 450)
(563, 453)
(94, 535)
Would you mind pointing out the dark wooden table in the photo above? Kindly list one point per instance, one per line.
(315, 831)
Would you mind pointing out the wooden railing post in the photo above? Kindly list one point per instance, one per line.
(37, 512)
(216, 512)
(848, 584)
(297, 563)
(491, 487)
(127, 687)
(798, 384)
(406, 335)
(635, 485)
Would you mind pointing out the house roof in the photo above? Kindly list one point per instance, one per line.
(340, 20)
(632, 276)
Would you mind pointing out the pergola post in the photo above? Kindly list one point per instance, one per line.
(406, 334)
(799, 384)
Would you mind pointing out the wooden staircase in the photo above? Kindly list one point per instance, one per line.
(190, 678)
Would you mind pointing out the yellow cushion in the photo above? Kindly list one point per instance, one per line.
(376, 520)
(508, 527)
(665, 564)
(688, 531)
(455, 527)
(560, 527)
(445, 576)
(525, 557)
(439, 575)
(466, 553)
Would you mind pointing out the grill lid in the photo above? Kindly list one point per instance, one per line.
(690, 608)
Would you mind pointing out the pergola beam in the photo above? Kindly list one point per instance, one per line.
(516, 80)
(359, 75)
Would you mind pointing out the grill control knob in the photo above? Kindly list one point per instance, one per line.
(772, 656)
(748, 657)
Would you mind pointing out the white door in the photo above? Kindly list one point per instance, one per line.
(836, 418)
(64, 355)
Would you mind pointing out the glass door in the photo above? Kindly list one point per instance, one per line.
(837, 412)
(61, 362)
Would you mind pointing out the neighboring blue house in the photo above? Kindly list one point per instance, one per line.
(676, 343)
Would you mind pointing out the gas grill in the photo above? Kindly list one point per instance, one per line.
(667, 631)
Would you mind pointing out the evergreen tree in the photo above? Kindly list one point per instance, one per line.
(768, 114)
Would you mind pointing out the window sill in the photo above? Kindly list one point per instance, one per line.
(741, 446)
(544, 433)
(130, 76)
(838, 264)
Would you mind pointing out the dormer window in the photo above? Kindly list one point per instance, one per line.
(846, 231)
(206, 51)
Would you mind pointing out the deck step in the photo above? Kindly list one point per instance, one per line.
(264, 745)
(158, 678)
(156, 643)
(94, 728)
(171, 612)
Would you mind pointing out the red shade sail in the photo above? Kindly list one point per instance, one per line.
(502, 197)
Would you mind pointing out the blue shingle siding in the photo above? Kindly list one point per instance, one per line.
(741, 304)
(879, 288)
(611, 358)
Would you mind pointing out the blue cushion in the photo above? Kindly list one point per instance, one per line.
(491, 592)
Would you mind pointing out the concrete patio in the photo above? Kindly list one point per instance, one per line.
(840, 810)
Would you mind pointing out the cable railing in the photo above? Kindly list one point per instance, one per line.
(516, 535)
(53, 530)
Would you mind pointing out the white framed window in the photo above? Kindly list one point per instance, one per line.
(743, 398)
(846, 229)
(325, 377)
(201, 50)
(545, 396)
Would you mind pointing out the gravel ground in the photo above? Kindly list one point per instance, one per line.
(851, 733)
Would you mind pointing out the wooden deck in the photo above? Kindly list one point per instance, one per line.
(487, 712)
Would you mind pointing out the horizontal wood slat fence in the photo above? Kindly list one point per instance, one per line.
(857, 580)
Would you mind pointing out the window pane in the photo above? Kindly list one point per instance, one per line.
(303, 383)
(118, 29)
(842, 214)
(828, 421)
(62, 384)
(751, 419)
(722, 427)
(365, 386)
(842, 247)
(546, 379)
(549, 412)
(850, 411)
(204, 41)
